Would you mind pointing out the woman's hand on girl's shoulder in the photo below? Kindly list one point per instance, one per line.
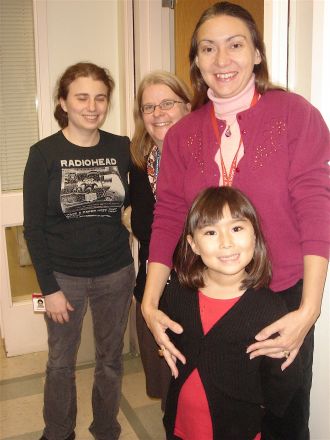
(57, 307)
(158, 322)
(292, 329)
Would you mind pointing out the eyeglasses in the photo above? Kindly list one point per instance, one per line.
(167, 104)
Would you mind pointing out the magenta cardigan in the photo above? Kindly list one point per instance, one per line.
(284, 171)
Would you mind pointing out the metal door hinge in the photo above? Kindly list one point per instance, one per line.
(168, 4)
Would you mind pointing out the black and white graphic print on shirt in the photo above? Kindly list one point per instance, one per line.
(88, 191)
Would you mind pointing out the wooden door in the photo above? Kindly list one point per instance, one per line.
(187, 13)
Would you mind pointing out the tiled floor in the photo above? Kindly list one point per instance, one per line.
(21, 393)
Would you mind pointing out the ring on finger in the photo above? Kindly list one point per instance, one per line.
(286, 353)
(161, 351)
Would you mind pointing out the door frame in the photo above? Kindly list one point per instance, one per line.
(154, 42)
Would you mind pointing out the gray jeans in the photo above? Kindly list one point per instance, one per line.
(109, 297)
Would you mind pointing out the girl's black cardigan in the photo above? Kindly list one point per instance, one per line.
(238, 389)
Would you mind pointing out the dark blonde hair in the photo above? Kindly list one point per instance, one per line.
(207, 209)
(142, 141)
(260, 70)
(83, 69)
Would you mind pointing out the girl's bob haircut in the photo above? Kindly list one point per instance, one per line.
(207, 209)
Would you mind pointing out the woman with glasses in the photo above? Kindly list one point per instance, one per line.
(162, 100)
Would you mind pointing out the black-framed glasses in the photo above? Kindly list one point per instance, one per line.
(167, 104)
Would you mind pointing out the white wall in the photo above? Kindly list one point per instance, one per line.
(154, 30)
(309, 70)
(300, 47)
(320, 97)
(275, 38)
(85, 30)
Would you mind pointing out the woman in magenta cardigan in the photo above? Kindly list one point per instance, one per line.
(274, 146)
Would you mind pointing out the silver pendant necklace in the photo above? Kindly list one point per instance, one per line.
(229, 125)
(228, 132)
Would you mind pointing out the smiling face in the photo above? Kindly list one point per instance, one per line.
(86, 104)
(226, 55)
(159, 121)
(225, 247)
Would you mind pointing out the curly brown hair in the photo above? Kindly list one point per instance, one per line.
(82, 69)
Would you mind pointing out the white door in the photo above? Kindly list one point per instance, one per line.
(23, 330)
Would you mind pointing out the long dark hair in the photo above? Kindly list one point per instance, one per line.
(207, 209)
(83, 69)
(260, 70)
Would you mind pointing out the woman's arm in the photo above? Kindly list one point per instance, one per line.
(35, 199)
(294, 326)
(308, 187)
(169, 216)
(35, 195)
(156, 320)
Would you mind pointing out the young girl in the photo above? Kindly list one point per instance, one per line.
(221, 300)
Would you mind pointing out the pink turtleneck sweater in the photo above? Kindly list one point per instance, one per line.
(227, 109)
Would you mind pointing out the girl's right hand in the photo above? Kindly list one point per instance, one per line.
(57, 307)
(158, 323)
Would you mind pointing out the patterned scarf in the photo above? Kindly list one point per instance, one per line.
(153, 167)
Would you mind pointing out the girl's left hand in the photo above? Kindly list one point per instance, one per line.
(291, 328)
